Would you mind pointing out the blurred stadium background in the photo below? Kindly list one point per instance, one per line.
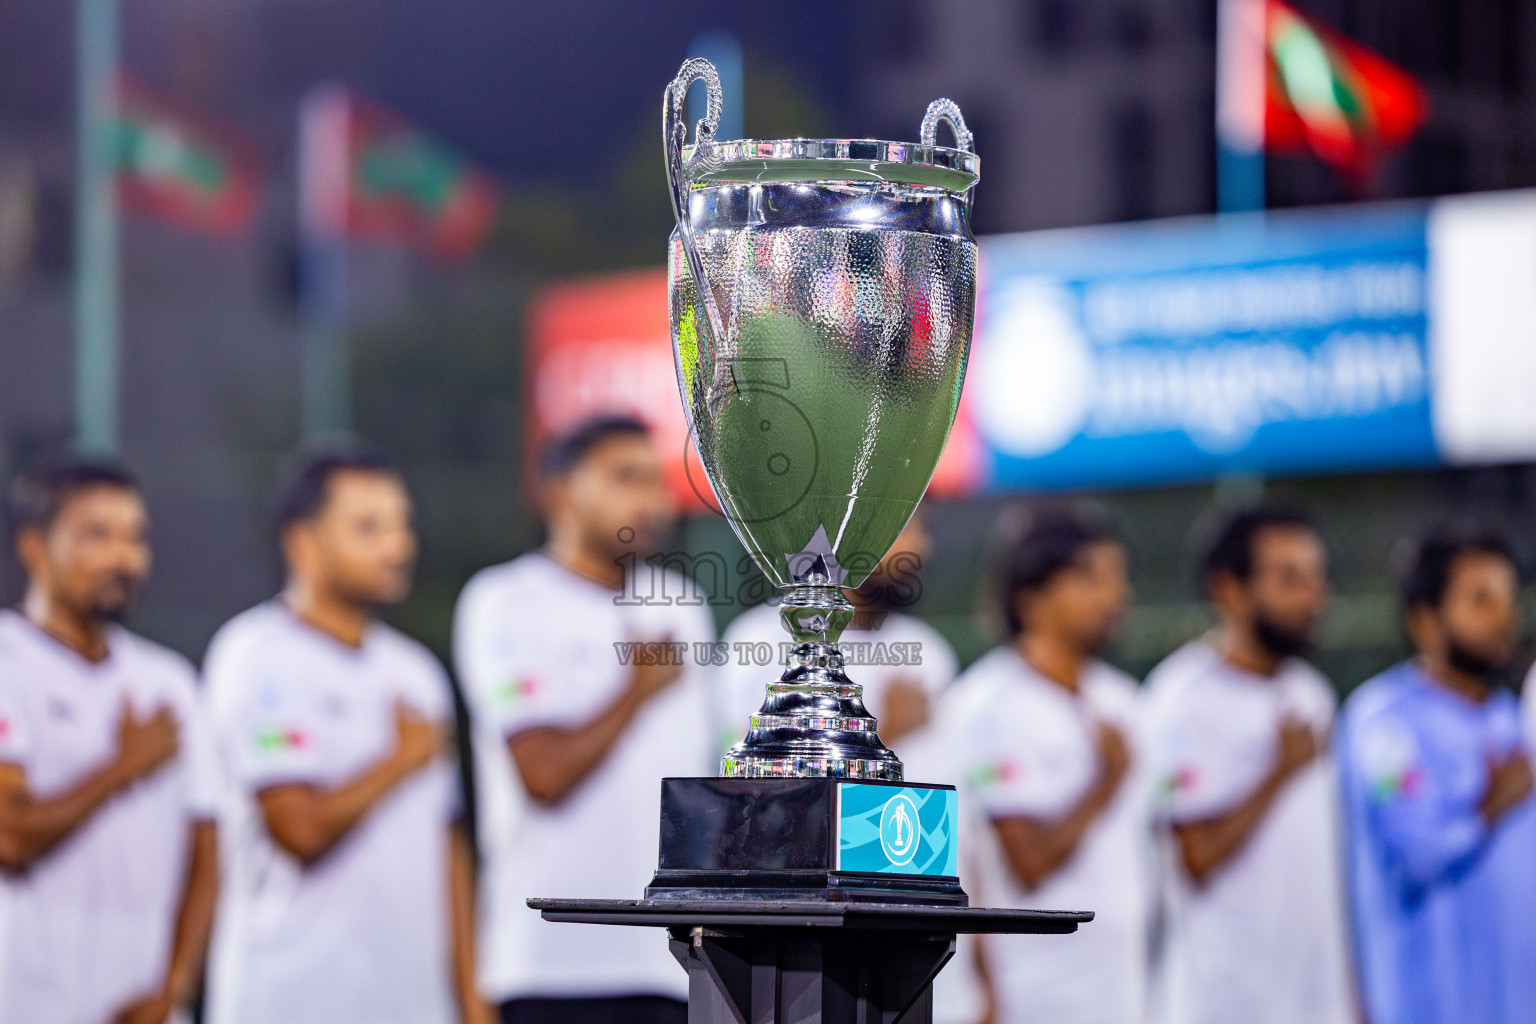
(1086, 112)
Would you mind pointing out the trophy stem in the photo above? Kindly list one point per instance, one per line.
(813, 721)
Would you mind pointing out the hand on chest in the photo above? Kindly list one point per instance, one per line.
(75, 724)
(350, 719)
(1242, 728)
(1457, 754)
(593, 664)
(1057, 741)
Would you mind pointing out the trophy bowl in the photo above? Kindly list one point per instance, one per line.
(820, 365)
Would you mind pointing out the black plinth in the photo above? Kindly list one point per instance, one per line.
(781, 839)
(811, 961)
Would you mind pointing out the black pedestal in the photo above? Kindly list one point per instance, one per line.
(833, 839)
(810, 961)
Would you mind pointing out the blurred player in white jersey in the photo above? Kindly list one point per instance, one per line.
(1056, 788)
(107, 790)
(350, 889)
(1253, 889)
(575, 726)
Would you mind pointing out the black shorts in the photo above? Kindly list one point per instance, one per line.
(615, 1010)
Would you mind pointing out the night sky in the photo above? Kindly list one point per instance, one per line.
(548, 93)
(538, 92)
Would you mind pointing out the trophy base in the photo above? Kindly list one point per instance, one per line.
(749, 766)
(837, 839)
(813, 722)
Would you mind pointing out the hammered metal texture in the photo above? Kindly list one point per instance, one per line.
(821, 411)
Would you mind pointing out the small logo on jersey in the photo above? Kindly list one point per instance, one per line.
(281, 739)
(517, 689)
(898, 829)
(6, 729)
(62, 710)
(1181, 781)
(989, 775)
(1404, 783)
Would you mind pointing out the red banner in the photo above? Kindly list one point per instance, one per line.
(604, 345)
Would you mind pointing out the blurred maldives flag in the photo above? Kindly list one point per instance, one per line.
(367, 173)
(1290, 85)
(181, 165)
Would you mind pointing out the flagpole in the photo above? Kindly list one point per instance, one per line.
(96, 235)
(1240, 91)
(326, 355)
(324, 170)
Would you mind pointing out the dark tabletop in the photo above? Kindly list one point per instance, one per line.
(811, 914)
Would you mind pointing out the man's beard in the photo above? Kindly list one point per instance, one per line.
(878, 594)
(1280, 640)
(370, 602)
(114, 605)
(1095, 643)
(1472, 663)
(111, 611)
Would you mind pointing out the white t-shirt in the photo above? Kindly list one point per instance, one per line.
(538, 646)
(89, 927)
(364, 933)
(896, 646)
(1263, 940)
(1027, 747)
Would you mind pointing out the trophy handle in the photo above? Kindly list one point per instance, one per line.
(680, 172)
(948, 110)
(945, 110)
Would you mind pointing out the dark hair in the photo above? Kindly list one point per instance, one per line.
(1229, 546)
(565, 453)
(38, 495)
(305, 479)
(1051, 542)
(1424, 564)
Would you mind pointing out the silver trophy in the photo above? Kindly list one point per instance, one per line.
(820, 365)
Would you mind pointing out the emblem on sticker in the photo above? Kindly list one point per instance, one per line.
(898, 829)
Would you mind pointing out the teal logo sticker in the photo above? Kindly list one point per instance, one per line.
(897, 830)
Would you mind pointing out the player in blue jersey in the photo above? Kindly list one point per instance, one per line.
(1437, 785)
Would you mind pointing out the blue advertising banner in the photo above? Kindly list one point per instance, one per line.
(1182, 349)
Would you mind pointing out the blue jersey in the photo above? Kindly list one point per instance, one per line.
(1444, 907)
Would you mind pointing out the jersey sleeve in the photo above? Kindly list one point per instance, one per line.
(441, 706)
(269, 726)
(1418, 827)
(1201, 770)
(205, 779)
(1019, 764)
(737, 687)
(15, 727)
(1528, 708)
(509, 666)
(939, 665)
(700, 679)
